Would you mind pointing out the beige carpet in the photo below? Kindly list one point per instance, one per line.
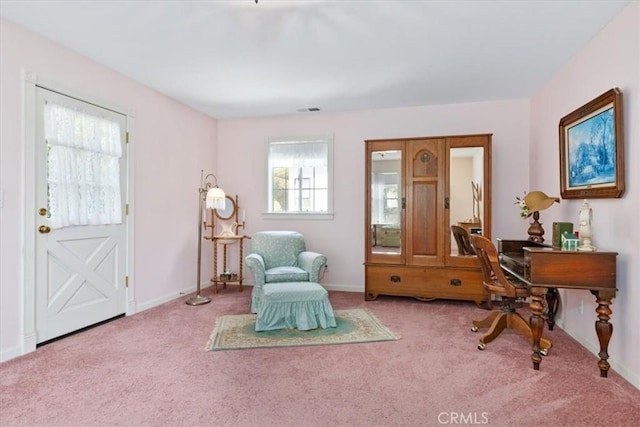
(233, 332)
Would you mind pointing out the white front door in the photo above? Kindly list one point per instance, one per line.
(80, 270)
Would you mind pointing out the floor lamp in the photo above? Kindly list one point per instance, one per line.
(213, 197)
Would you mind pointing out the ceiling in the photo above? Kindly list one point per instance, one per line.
(240, 58)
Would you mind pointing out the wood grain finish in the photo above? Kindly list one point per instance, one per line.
(424, 267)
(546, 269)
(424, 212)
(594, 270)
(424, 283)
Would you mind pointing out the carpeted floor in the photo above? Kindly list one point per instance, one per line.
(150, 369)
(237, 331)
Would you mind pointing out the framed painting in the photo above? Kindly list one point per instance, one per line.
(592, 149)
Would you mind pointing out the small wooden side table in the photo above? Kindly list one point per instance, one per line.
(234, 278)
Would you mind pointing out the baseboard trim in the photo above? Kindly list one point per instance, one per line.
(169, 297)
(343, 288)
(11, 353)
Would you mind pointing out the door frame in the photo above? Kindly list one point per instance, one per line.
(31, 80)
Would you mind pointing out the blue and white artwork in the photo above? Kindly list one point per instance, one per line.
(592, 151)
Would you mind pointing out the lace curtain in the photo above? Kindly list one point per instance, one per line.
(83, 171)
(298, 154)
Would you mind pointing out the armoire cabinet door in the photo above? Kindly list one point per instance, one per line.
(425, 176)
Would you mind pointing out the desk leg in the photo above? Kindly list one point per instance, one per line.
(552, 307)
(604, 328)
(536, 322)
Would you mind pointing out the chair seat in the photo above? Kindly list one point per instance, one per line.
(516, 282)
(294, 305)
(521, 289)
(286, 274)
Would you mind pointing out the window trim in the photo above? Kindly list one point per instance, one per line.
(329, 214)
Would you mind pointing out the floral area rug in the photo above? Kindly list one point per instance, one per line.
(234, 332)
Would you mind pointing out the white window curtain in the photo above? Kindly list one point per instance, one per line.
(299, 174)
(377, 197)
(83, 171)
(298, 154)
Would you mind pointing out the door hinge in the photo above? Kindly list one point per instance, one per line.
(126, 209)
(126, 281)
(126, 138)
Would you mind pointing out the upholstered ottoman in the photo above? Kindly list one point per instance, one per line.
(289, 305)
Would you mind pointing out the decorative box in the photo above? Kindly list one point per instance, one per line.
(570, 242)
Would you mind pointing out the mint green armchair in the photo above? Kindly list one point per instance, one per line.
(281, 256)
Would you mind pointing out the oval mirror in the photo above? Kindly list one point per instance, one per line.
(229, 209)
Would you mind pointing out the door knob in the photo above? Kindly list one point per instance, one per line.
(44, 229)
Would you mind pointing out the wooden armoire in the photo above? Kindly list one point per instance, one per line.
(416, 188)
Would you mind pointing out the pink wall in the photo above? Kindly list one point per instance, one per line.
(242, 142)
(171, 143)
(609, 60)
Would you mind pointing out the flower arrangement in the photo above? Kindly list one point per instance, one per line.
(524, 210)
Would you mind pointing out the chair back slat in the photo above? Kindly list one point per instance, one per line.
(462, 240)
(492, 274)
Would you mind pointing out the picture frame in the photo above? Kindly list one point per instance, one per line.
(592, 149)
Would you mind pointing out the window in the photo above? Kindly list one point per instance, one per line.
(387, 209)
(83, 172)
(300, 175)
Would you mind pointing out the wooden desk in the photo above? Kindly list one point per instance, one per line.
(546, 269)
(470, 225)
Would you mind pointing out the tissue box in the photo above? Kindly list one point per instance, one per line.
(570, 242)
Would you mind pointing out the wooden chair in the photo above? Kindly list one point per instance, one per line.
(462, 239)
(511, 293)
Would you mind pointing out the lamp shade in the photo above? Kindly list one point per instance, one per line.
(215, 198)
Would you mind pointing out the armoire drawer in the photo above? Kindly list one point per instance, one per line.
(424, 282)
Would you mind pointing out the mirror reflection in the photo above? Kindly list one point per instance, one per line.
(229, 209)
(386, 201)
(465, 197)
